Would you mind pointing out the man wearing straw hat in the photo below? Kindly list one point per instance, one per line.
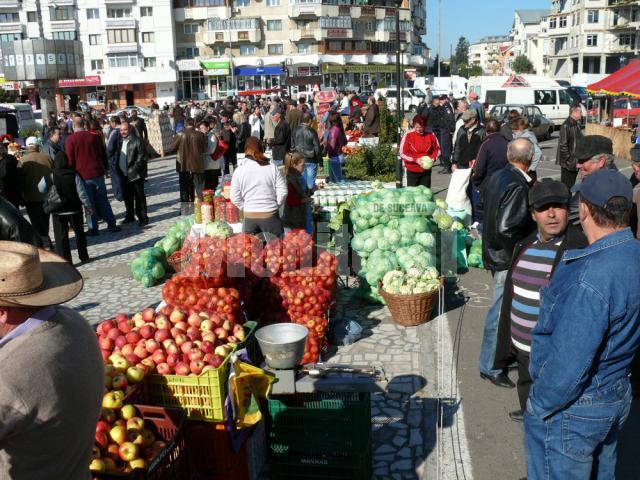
(51, 379)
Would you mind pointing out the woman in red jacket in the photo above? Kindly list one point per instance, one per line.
(419, 149)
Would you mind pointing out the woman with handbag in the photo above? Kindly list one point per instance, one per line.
(65, 198)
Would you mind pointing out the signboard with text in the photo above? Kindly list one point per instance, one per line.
(89, 80)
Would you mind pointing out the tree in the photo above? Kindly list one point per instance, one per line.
(522, 64)
(461, 57)
(444, 68)
(468, 71)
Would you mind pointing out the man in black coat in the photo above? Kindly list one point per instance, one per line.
(11, 179)
(507, 221)
(281, 142)
(304, 140)
(14, 227)
(569, 137)
(132, 167)
(533, 262)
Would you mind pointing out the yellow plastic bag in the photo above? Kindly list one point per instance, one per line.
(248, 384)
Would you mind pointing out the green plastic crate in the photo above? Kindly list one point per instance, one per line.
(251, 343)
(324, 423)
(319, 466)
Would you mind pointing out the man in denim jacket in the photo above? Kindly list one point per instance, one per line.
(586, 336)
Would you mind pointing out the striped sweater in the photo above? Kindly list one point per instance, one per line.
(532, 271)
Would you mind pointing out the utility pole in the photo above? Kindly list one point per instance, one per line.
(440, 35)
(399, 100)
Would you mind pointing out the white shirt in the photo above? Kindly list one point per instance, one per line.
(257, 124)
(257, 188)
(122, 161)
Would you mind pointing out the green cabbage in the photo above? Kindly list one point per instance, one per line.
(218, 229)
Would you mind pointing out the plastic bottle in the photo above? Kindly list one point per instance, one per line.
(197, 210)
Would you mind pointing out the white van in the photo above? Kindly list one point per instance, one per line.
(24, 115)
(411, 98)
(455, 85)
(552, 99)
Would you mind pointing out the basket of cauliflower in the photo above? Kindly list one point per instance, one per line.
(411, 296)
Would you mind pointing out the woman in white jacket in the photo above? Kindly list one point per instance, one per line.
(256, 121)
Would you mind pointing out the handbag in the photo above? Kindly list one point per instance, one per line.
(53, 202)
(221, 149)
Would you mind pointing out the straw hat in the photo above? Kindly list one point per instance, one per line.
(30, 277)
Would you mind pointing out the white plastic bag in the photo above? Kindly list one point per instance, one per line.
(457, 198)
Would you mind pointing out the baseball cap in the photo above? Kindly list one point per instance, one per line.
(548, 191)
(469, 115)
(592, 145)
(601, 186)
(31, 142)
(635, 153)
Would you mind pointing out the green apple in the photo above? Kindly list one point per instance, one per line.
(128, 451)
(118, 434)
(112, 400)
(135, 423)
(135, 374)
(128, 411)
(119, 381)
(97, 465)
(138, 463)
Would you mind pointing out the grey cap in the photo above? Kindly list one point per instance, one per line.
(469, 115)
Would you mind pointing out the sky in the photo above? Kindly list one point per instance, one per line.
(472, 19)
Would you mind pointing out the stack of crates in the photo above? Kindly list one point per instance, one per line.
(323, 435)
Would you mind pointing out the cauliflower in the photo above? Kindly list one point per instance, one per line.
(414, 273)
(392, 278)
(405, 290)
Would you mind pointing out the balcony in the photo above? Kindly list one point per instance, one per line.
(129, 22)
(122, 47)
(63, 25)
(305, 35)
(305, 9)
(17, 4)
(336, 33)
(232, 36)
(11, 27)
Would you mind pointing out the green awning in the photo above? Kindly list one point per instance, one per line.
(215, 64)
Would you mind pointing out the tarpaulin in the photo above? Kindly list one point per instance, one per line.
(625, 81)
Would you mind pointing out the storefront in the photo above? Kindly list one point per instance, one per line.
(258, 78)
(218, 73)
(72, 90)
(192, 82)
(303, 80)
(358, 75)
(151, 86)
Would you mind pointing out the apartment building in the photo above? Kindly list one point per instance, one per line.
(257, 45)
(493, 54)
(592, 36)
(529, 37)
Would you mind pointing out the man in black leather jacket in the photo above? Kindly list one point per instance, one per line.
(14, 227)
(570, 135)
(131, 152)
(304, 140)
(507, 222)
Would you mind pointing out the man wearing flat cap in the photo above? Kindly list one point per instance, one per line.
(534, 260)
(586, 336)
(51, 380)
(593, 153)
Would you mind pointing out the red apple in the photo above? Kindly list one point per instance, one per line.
(221, 333)
(173, 359)
(135, 423)
(148, 362)
(128, 451)
(176, 316)
(194, 320)
(134, 336)
(124, 323)
(207, 347)
(119, 382)
(113, 334)
(107, 325)
(108, 415)
(132, 358)
(216, 319)
(105, 355)
(182, 368)
(162, 321)
(121, 341)
(172, 348)
(141, 351)
(180, 339)
(195, 354)
(163, 369)
(105, 343)
(206, 326)
(158, 356)
(208, 368)
(148, 314)
(182, 326)
(196, 366)
(216, 361)
(147, 331)
(238, 332)
(127, 349)
(102, 426)
(167, 342)
(194, 334)
(112, 451)
(152, 345)
(101, 439)
(162, 335)
(209, 337)
(186, 346)
(138, 321)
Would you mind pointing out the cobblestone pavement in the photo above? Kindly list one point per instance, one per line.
(405, 437)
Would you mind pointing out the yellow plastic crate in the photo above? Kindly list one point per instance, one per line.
(201, 397)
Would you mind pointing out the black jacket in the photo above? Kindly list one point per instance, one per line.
(304, 140)
(244, 132)
(11, 179)
(281, 142)
(505, 353)
(141, 128)
(64, 178)
(570, 134)
(14, 227)
(136, 158)
(466, 149)
(507, 219)
(492, 157)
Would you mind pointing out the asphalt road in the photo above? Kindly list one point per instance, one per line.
(495, 443)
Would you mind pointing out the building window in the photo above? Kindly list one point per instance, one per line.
(97, 65)
(191, 52)
(218, 51)
(593, 16)
(123, 60)
(275, 49)
(304, 48)
(592, 40)
(247, 49)
(563, 21)
(627, 40)
(148, 37)
(336, 22)
(273, 3)
(190, 28)
(146, 11)
(553, 22)
(149, 62)
(243, 35)
(199, 3)
(64, 35)
(10, 37)
(241, 3)
(219, 37)
(218, 24)
(93, 13)
(119, 12)
(95, 39)
(274, 24)
(32, 17)
(61, 13)
(369, 26)
(11, 17)
(121, 35)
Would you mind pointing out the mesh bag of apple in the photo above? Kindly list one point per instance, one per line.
(123, 440)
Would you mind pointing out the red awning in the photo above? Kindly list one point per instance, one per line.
(87, 81)
(625, 81)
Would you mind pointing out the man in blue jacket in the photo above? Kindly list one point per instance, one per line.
(584, 341)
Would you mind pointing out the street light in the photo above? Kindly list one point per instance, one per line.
(399, 169)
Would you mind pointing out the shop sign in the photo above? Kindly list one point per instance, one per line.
(240, 71)
(216, 68)
(306, 71)
(87, 81)
(337, 33)
(358, 68)
(188, 64)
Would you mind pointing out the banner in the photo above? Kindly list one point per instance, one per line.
(88, 81)
(358, 68)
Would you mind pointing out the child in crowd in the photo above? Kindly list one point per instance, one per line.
(296, 206)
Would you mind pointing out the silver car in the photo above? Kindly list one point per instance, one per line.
(541, 126)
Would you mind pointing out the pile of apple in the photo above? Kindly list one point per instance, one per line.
(166, 342)
(122, 441)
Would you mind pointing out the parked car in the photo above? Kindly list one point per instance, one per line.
(143, 112)
(23, 114)
(410, 100)
(541, 126)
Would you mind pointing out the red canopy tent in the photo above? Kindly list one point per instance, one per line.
(625, 81)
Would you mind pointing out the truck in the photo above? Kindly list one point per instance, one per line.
(454, 85)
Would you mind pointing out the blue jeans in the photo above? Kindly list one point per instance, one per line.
(335, 169)
(97, 192)
(490, 337)
(578, 443)
(310, 173)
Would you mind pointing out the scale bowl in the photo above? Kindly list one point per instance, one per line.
(282, 344)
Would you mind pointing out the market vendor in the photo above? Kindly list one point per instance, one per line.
(52, 376)
(259, 189)
(419, 149)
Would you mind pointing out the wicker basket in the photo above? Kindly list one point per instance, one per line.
(410, 310)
